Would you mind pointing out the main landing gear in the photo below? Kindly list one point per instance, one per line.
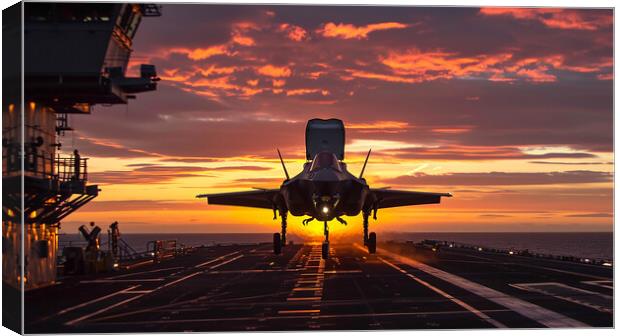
(279, 240)
(370, 240)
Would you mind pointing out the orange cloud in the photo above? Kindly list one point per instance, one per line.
(278, 82)
(245, 25)
(215, 70)
(298, 92)
(203, 53)
(174, 75)
(537, 75)
(452, 130)
(222, 86)
(215, 83)
(243, 40)
(293, 32)
(386, 126)
(417, 66)
(439, 64)
(274, 71)
(349, 31)
(554, 17)
(371, 75)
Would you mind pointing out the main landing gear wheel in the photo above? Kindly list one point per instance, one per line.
(325, 250)
(277, 243)
(372, 243)
(279, 240)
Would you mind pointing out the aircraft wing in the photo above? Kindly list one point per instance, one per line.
(388, 198)
(262, 198)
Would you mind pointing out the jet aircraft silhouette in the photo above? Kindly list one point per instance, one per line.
(324, 190)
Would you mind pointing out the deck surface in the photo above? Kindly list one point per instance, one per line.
(232, 288)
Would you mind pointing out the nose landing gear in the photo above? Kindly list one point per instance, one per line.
(325, 246)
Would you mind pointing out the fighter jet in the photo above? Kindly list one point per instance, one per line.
(324, 190)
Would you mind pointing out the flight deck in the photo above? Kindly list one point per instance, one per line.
(247, 287)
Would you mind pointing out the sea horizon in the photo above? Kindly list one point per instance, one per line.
(597, 245)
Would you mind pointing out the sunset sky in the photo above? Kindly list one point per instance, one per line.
(511, 110)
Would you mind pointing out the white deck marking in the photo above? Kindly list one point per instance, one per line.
(300, 311)
(226, 262)
(537, 313)
(177, 281)
(570, 272)
(609, 284)
(245, 271)
(84, 317)
(304, 292)
(285, 316)
(128, 267)
(547, 268)
(122, 280)
(216, 259)
(597, 301)
(142, 293)
(136, 273)
(343, 271)
(475, 311)
(64, 311)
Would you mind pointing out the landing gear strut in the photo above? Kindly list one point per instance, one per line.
(370, 240)
(279, 240)
(283, 217)
(325, 246)
(365, 216)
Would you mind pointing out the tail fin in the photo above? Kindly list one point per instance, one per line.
(365, 162)
(283, 166)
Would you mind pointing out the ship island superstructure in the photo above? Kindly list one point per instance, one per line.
(75, 56)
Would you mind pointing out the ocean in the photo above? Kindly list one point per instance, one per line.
(596, 245)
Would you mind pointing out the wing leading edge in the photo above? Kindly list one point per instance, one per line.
(387, 198)
(263, 198)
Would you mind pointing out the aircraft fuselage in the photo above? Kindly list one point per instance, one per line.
(324, 190)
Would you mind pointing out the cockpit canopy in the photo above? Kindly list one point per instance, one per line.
(325, 160)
